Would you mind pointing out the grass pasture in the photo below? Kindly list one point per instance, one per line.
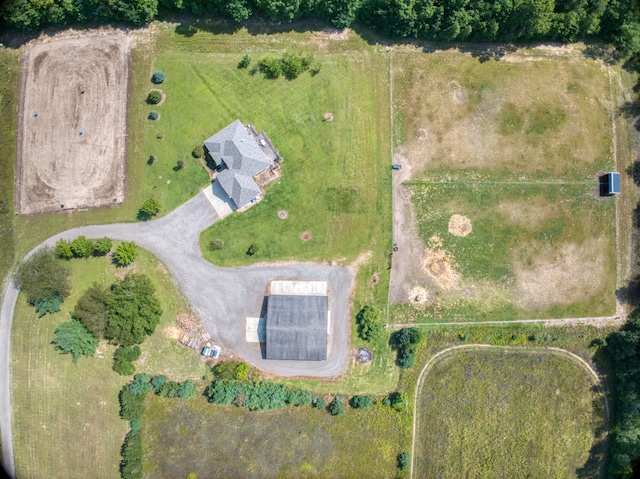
(226, 441)
(499, 413)
(65, 415)
(515, 146)
(526, 117)
(535, 250)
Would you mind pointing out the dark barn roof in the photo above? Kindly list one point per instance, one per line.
(297, 327)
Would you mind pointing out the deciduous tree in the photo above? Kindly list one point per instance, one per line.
(133, 310)
(42, 277)
(91, 310)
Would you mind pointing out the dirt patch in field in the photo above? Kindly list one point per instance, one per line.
(418, 296)
(459, 225)
(438, 265)
(573, 274)
(306, 236)
(72, 127)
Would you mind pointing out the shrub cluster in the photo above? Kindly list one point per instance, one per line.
(125, 253)
(370, 325)
(256, 396)
(81, 247)
(397, 401)
(153, 115)
(154, 97)
(291, 65)
(361, 402)
(198, 151)
(404, 460)
(337, 407)
(406, 341)
(244, 62)
(123, 359)
(132, 409)
(125, 313)
(150, 207)
(157, 77)
(231, 371)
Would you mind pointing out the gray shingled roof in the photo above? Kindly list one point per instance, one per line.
(240, 188)
(236, 147)
(297, 327)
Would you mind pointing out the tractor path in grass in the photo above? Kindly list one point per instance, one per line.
(223, 297)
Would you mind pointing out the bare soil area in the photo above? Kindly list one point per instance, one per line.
(72, 133)
(574, 271)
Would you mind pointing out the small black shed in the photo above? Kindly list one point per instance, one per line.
(610, 183)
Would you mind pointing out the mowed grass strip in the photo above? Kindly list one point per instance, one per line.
(226, 441)
(520, 117)
(66, 416)
(9, 73)
(534, 251)
(505, 414)
(336, 179)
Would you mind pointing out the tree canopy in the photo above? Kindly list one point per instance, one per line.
(91, 310)
(42, 277)
(133, 310)
(73, 338)
(447, 20)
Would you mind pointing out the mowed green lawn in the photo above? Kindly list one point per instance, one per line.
(336, 175)
(226, 441)
(505, 414)
(65, 416)
(515, 146)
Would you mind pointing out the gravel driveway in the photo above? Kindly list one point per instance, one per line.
(223, 297)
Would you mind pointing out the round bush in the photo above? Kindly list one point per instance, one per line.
(198, 151)
(157, 77)
(153, 115)
(154, 97)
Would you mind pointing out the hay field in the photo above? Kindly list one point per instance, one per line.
(504, 414)
(73, 120)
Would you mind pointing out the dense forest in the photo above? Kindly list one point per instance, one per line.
(617, 21)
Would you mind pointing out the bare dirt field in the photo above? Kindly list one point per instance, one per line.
(73, 122)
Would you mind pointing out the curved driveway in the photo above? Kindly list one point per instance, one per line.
(223, 297)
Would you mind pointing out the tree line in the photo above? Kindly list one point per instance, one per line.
(441, 20)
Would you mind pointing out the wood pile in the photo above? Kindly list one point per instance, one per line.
(188, 331)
